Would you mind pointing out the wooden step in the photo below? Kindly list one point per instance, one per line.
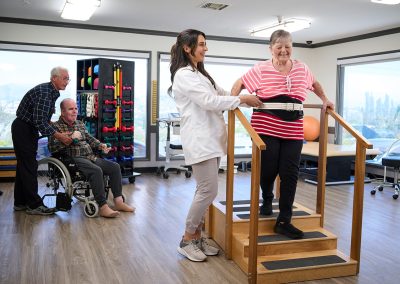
(306, 220)
(304, 266)
(273, 244)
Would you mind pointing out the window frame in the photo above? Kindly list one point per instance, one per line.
(95, 52)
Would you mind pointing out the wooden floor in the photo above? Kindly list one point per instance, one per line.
(141, 247)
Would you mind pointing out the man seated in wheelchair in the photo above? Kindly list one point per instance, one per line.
(82, 150)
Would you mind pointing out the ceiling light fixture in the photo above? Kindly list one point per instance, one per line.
(388, 2)
(80, 10)
(291, 25)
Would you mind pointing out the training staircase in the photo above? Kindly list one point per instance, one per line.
(249, 239)
(280, 259)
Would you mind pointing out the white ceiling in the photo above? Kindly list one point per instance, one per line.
(331, 19)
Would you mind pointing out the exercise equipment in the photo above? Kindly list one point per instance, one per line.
(110, 139)
(126, 158)
(126, 148)
(96, 84)
(311, 128)
(106, 129)
(109, 110)
(109, 120)
(109, 102)
(127, 129)
(126, 138)
(172, 150)
(123, 102)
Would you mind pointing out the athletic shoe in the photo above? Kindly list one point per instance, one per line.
(206, 248)
(191, 250)
(41, 210)
(20, 207)
(288, 230)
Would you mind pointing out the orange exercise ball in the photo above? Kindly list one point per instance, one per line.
(311, 128)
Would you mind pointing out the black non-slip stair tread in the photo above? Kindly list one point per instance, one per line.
(295, 213)
(277, 238)
(240, 202)
(247, 208)
(302, 262)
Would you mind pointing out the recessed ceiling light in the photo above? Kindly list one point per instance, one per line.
(291, 25)
(388, 2)
(80, 10)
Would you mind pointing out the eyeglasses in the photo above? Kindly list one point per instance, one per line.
(65, 79)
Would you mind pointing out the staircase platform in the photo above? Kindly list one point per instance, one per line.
(279, 258)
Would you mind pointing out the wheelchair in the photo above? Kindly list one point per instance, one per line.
(59, 181)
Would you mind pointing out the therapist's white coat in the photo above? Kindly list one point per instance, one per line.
(203, 130)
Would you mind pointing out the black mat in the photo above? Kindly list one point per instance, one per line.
(247, 208)
(302, 262)
(295, 213)
(278, 238)
(240, 202)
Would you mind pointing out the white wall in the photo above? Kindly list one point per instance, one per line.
(322, 61)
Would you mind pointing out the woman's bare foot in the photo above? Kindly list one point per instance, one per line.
(107, 212)
(121, 206)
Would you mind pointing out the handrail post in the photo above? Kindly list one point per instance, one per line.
(323, 141)
(229, 184)
(254, 208)
(356, 231)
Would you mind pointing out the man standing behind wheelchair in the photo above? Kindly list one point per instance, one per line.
(92, 166)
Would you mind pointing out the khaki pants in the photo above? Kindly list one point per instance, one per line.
(206, 175)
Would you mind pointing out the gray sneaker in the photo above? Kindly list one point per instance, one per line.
(20, 207)
(191, 250)
(41, 210)
(206, 248)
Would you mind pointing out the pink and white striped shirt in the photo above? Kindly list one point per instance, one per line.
(267, 82)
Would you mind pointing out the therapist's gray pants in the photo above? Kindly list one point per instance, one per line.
(94, 172)
(206, 175)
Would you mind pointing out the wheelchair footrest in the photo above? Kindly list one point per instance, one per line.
(63, 201)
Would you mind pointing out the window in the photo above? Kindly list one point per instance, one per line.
(225, 71)
(369, 98)
(23, 67)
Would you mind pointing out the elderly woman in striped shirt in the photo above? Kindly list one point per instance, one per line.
(282, 84)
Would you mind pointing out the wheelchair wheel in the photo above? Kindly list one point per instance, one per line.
(91, 209)
(53, 178)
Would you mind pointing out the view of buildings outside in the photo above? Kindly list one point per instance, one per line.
(20, 71)
(371, 102)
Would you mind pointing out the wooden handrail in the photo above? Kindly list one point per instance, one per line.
(258, 145)
(253, 134)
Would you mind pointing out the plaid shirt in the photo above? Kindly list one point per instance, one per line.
(82, 148)
(37, 107)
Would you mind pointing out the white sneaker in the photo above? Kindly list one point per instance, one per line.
(206, 248)
(191, 250)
